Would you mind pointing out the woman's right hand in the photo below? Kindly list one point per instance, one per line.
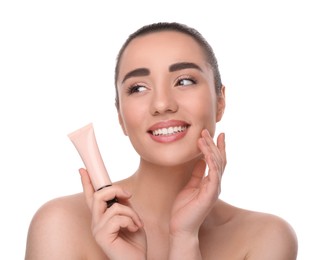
(118, 230)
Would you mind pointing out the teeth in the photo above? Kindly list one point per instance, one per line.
(169, 131)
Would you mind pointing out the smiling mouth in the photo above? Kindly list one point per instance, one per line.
(169, 130)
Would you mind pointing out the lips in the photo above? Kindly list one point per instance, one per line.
(168, 131)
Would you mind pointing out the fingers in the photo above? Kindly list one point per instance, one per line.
(100, 198)
(221, 146)
(208, 147)
(107, 222)
(119, 222)
(97, 200)
(215, 156)
(197, 174)
(115, 218)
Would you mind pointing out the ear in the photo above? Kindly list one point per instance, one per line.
(121, 122)
(220, 104)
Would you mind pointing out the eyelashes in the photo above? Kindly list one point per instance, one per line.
(186, 81)
(182, 81)
(135, 89)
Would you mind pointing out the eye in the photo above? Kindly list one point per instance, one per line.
(186, 81)
(136, 89)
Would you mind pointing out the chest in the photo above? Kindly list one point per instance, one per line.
(214, 244)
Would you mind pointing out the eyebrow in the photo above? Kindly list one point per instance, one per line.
(172, 68)
(136, 73)
(183, 65)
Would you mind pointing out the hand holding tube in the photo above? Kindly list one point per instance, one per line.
(117, 230)
(85, 142)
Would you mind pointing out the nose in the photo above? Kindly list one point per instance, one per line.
(163, 101)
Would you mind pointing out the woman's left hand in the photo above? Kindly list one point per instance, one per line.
(197, 198)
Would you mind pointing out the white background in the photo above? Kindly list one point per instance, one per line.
(56, 75)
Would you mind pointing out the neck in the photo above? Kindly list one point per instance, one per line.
(155, 188)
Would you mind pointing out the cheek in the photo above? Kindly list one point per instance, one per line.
(209, 119)
(205, 110)
(132, 117)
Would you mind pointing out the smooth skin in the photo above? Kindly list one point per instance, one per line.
(170, 207)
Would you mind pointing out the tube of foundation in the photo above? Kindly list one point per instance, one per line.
(85, 142)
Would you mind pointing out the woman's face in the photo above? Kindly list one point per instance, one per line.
(167, 97)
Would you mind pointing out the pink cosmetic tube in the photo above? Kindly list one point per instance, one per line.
(85, 142)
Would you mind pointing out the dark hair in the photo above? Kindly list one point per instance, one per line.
(177, 27)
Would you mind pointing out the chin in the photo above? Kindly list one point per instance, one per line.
(173, 159)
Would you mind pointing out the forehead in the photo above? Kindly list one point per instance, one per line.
(161, 48)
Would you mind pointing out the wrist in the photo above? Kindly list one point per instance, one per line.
(184, 247)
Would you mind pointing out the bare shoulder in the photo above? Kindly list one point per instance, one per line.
(271, 236)
(255, 235)
(56, 229)
(61, 211)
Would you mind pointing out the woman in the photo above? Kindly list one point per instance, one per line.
(169, 97)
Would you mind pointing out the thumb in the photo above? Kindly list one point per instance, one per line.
(88, 189)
